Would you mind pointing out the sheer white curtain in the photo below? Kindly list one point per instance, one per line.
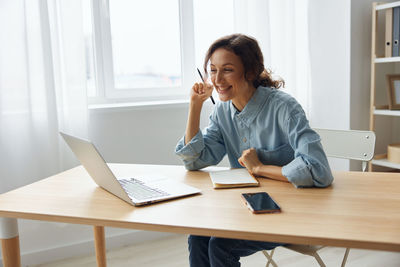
(42, 87)
(281, 27)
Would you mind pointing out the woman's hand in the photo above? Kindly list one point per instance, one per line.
(250, 160)
(252, 163)
(200, 92)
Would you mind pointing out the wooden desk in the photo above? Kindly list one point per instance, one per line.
(360, 210)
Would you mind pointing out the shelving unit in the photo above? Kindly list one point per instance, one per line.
(387, 112)
(387, 59)
(385, 163)
(388, 65)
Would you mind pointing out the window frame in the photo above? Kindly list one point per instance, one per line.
(103, 60)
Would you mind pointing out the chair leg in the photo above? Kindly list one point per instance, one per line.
(319, 260)
(269, 257)
(346, 254)
(364, 166)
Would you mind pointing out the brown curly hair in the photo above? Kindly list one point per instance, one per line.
(248, 50)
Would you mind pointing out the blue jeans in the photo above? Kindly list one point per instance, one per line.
(218, 252)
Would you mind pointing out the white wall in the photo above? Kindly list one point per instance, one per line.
(361, 22)
(330, 63)
(360, 67)
(329, 29)
(149, 134)
(141, 134)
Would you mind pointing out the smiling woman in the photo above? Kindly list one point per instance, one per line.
(252, 123)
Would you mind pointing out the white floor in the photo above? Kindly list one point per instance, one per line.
(172, 251)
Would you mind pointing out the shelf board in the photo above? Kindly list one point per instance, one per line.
(388, 5)
(387, 59)
(387, 112)
(385, 163)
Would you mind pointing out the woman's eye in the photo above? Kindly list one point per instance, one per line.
(213, 71)
(228, 70)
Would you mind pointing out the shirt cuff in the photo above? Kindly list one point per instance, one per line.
(298, 173)
(191, 149)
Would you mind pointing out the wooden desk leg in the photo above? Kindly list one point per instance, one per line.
(11, 252)
(100, 245)
(10, 242)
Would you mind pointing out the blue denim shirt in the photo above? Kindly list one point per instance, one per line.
(275, 125)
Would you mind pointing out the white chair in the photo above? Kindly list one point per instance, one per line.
(346, 144)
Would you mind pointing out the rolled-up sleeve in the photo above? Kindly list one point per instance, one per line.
(204, 149)
(310, 166)
(191, 150)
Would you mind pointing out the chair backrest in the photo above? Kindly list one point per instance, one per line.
(348, 144)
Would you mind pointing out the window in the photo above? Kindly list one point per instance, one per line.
(89, 55)
(145, 43)
(210, 24)
(149, 50)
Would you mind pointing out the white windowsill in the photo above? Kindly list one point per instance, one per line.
(139, 105)
(143, 105)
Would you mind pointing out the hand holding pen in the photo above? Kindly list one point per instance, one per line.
(201, 76)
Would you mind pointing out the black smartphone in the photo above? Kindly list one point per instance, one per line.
(260, 202)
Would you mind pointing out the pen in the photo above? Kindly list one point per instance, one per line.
(201, 76)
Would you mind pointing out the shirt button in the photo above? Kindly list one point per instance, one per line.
(244, 140)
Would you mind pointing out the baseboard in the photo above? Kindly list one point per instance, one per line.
(130, 237)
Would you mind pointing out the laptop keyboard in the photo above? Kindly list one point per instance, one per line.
(137, 189)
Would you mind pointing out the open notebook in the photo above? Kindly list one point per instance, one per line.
(232, 178)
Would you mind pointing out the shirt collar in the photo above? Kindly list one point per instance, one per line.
(253, 107)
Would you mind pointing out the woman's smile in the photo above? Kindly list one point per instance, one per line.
(222, 89)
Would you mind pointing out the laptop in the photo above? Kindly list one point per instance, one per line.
(135, 191)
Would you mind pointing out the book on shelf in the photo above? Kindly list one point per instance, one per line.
(232, 178)
(388, 32)
(396, 32)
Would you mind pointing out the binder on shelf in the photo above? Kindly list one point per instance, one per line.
(396, 32)
(388, 32)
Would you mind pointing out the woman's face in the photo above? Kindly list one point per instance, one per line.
(227, 76)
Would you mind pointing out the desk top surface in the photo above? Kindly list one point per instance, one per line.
(359, 210)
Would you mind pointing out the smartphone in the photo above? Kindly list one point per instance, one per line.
(260, 202)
